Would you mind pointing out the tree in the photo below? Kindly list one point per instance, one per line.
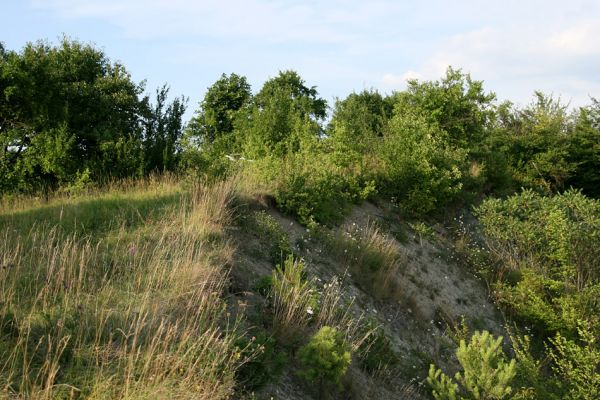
(536, 141)
(68, 97)
(420, 169)
(486, 374)
(456, 103)
(218, 110)
(583, 151)
(163, 129)
(358, 119)
(285, 113)
(325, 358)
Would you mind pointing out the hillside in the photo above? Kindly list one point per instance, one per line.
(109, 295)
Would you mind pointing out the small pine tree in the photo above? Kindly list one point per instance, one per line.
(486, 374)
(325, 359)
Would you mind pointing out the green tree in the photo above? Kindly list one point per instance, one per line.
(486, 373)
(163, 128)
(456, 103)
(325, 358)
(583, 151)
(358, 120)
(285, 114)
(420, 169)
(218, 110)
(71, 88)
(536, 141)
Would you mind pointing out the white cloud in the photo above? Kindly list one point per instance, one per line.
(392, 81)
(582, 39)
(516, 60)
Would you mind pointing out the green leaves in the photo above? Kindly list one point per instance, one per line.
(486, 373)
(325, 358)
(67, 108)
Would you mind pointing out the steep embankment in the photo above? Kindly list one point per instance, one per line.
(404, 281)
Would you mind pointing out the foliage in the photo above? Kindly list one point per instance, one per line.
(284, 115)
(486, 374)
(456, 104)
(264, 360)
(584, 151)
(535, 140)
(358, 119)
(551, 243)
(325, 358)
(312, 187)
(267, 227)
(210, 135)
(163, 129)
(67, 108)
(420, 170)
(577, 365)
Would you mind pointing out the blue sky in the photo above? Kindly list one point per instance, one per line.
(516, 47)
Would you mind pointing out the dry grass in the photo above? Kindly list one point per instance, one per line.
(294, 301)
(134, 315)
(372, 257)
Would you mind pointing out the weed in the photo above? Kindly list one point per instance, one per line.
(294, 301)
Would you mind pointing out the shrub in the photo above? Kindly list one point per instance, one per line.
(263, 360)
(325, 358)
(551, 243)
(315, 188)
(267, 227)
(486, 374)
(577, 365)
(419, 168)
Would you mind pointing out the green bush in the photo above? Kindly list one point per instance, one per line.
(268, 228)
(419, 169)
(486, 374)
(325, 358)
(264, 361)
(314, 188)
(551, 242)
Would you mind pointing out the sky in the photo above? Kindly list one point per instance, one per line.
(515, 47)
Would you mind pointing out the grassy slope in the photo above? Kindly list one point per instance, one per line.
(117, 295)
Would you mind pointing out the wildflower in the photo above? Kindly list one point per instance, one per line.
(310, 311)
(132, 251)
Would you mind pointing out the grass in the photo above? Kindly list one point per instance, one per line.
(294, 301)
(372, 257)
(119, 295)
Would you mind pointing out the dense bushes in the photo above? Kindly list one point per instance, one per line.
(550, 246)
(545, 258)
(419, 169)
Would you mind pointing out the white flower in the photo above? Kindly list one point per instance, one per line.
(310, 311)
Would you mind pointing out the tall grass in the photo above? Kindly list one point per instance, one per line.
(372, 257)
(137, 313)
(294, 301)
